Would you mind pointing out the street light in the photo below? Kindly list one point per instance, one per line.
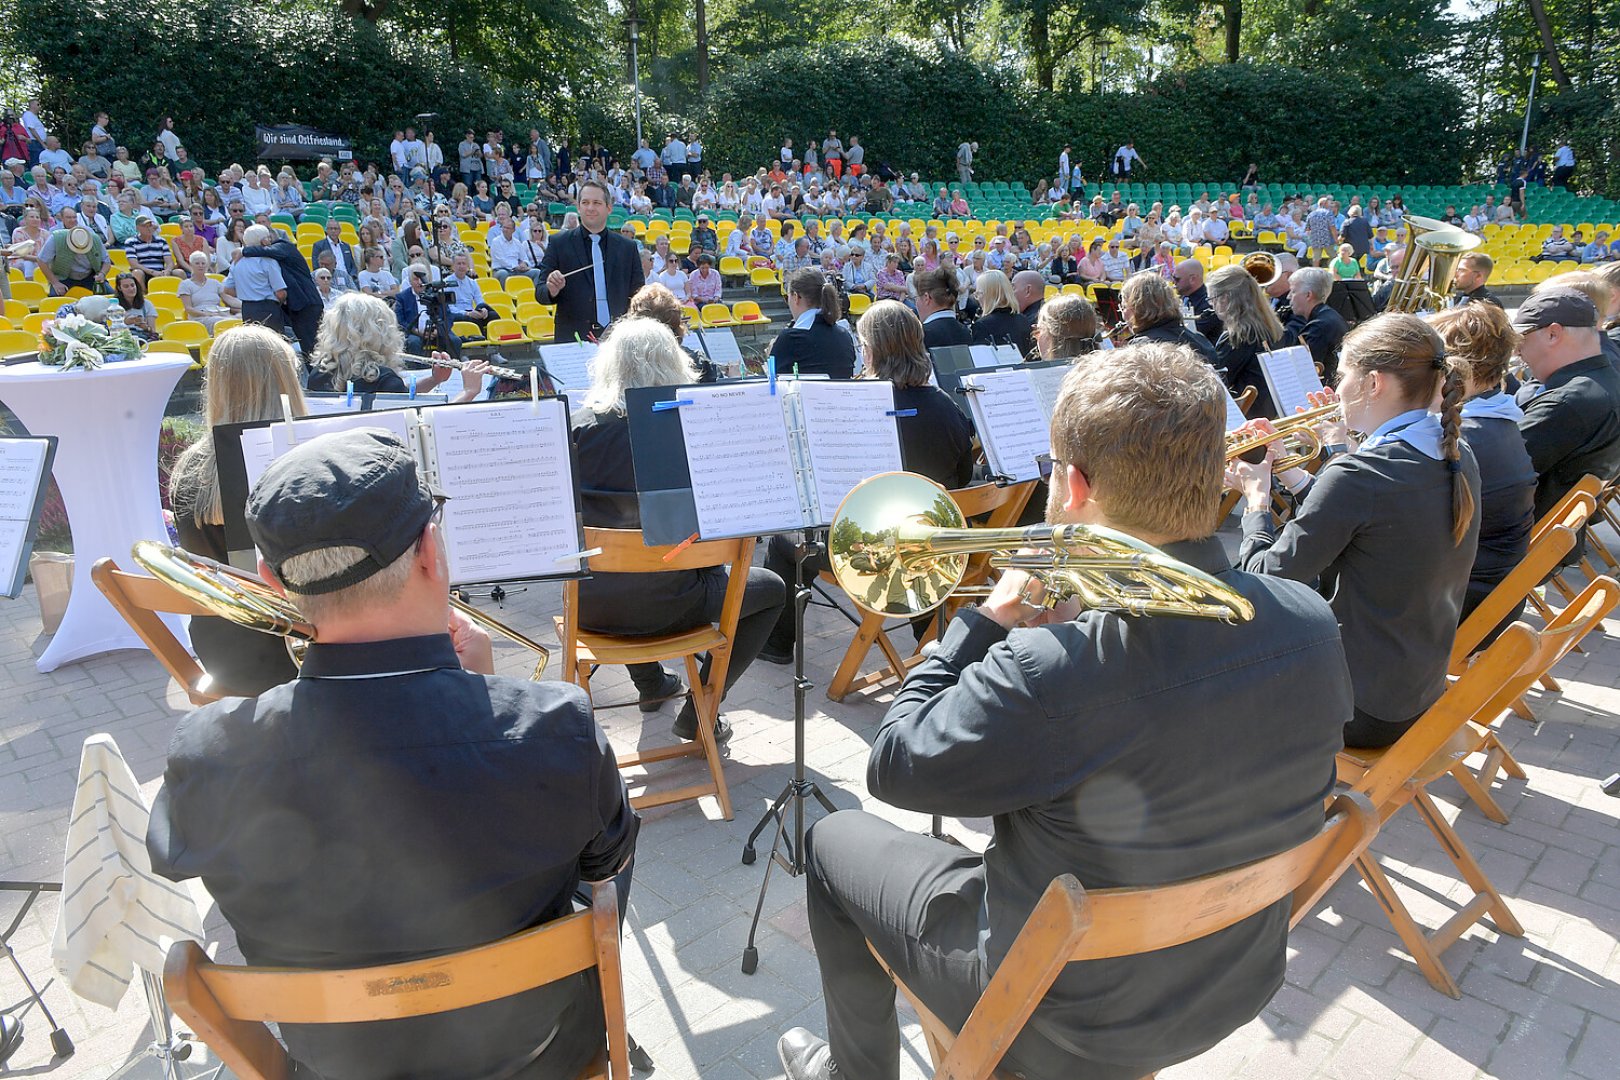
(1535, 70)
(635, 71)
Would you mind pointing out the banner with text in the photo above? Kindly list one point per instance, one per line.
(281, 141)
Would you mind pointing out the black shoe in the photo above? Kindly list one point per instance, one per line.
(669, 689)
(805, 1057)
(11, 1036)
(773, 655)
(686, 725)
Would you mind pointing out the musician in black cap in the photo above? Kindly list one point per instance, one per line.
(397, 799)
(589, 272)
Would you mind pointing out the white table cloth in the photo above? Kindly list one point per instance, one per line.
(107, 423)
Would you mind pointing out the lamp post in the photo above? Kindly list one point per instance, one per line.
(1535, 70)
(635, 70)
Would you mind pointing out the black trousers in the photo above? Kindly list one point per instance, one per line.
(305, 322)
(268, 313)
(779, 560)
(917, 900)
(763, 597)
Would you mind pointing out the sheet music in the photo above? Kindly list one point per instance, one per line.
(338, 404)
(743, 480)
(850, 437)
(261, 446)
(1011, 424)
(1234, 415)
(22, 472)
(571, 366)
(1291, 375)
(1047, 382)
(722, 347)
(984, 356)
(1008, 354)
(509, 475)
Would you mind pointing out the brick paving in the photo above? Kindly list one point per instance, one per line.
(1353, 1006)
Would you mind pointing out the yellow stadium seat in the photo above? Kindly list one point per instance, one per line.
(858, 303)
(29, 292)
(34, 323)
(747, 313)
(762, 277)
(309, 232)
(163, 284)
(78, 292)
(179, 347)
(691, 315)
(506, 332)
(193, 335)
(226, 324)
(541, 327)
(732, 267)
(5, 324)
(169, 230)
(528, 309)
(717, 315)
(16, 311)
(53, 304)
(167, 303)
(520, 288)
(468, 332)
(17, 342)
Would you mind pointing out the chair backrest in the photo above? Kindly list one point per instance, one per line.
(1543, 556)
(138, 599)
(1483, 683)
(1070, 924)
(1573, 510)
(229, 1006)
(1578, 618)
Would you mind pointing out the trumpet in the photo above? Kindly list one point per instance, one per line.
(247, 601)
(899, 546)
(1300, 443)
(450, 362)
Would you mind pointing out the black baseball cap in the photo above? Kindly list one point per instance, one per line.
(355, 488)
(1566, 307)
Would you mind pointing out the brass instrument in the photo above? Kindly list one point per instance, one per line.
(1121, 333)
(1297, 433)
(247, 601)
(450, 362)
(1432, 251)
(899, 546)
(1263, 267)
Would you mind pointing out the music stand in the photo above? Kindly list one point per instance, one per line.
(61, 1043)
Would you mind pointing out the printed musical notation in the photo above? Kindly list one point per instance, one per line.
(571, 366)
(1011, 423)
(1047, 382)
(849, 435)
(1234, 415)
(261, 446)
(743, 480)
(719, 345)
(507, 470)
(1291, 375)
(22, 474)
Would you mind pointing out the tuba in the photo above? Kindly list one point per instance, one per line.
(246, 601)
(1262, 266)
(1432, 251)
(899, 546)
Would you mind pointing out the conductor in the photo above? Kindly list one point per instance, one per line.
(590, 273)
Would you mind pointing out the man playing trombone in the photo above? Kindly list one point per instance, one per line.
(1127, 751)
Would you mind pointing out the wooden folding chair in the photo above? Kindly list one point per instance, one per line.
(624, 552)
(228, 1007)
(1393, 776)
(1070, 924)
(1606, 513)
(1003, 505)
(1574, 510)
(139, 599)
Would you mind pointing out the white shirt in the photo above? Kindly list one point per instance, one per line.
(737, 243)
(467, 295)
(171, 143)
(377, 281)
(673, 278)
(808, 319)
(1063, 166)
(415, 152)
(32, 124)
(1126, 155)
(396, 151)
(506, 254)
(1563, 157)
(943, 313)
(259, 200)
(1215, 230)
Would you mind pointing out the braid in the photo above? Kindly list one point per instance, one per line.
(1462, 496)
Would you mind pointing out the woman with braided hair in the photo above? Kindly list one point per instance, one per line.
(1388, 528)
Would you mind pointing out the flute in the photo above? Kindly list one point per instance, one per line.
(434, 361)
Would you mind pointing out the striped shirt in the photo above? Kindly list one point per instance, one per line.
(148, 253)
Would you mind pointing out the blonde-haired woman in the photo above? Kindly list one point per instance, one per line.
(642, 352)
(1248, 328)
(250, 370)
(361, 345)
(999, 322)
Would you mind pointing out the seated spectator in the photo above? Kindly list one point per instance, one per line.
(703, 286)
(149, 254)
(666, 270)
(760, 240)
(201, 297)
(959, 205)
(1557, 247)
(140, 316)
(1115, 262)
(159, 196)
(467, 297)
(1344, 264)
(891, 282)
(512, 251)
(289, 195)
(90, 217)
(858, 275)
(376, 279)
(1599, 250)
(259, 194)
(703, 236)
(123, 165)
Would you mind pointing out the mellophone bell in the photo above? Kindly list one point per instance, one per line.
(1094, 705)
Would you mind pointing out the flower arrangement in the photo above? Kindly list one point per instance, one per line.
(73, 341)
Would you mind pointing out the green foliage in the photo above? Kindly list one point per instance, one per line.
(220, 67)
(912, 104)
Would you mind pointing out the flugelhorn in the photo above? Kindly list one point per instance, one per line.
(899, 546)
(247, 601)
(1297, 433)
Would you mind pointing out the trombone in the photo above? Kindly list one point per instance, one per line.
(1300, 442)
(899, 546)
(247, 601)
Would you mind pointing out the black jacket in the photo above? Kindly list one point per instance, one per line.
(1002, 327)
(1507, 496)
(1482, 295)
(1043, 730)
(576, 304)
(1239, 364)
(1374, 531)
(820, 350)
(938, 333)
(1175, 333)
(1322, 333)
(301, 290)
(938, 441)
(1205, 321)
(1571, 427)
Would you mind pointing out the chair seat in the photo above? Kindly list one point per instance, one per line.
(1454, 749)
(612, 649)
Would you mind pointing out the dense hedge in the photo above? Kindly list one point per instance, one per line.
(912, 104)
(220, 67)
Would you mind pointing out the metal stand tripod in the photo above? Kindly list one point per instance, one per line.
(799, 788)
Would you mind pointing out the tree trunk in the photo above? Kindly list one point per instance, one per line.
(701, 31)
(1234, 29)
(1040, 45)
(1555, 69)
(369, 10)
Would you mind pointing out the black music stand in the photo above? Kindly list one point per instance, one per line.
(800, 788)
(61, 1043)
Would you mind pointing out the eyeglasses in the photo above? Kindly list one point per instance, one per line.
(1044, 463)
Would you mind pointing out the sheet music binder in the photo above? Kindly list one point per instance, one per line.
(1290, 375)
(239, 451)
(1014, 432)
(25, 463)
(323, 403)
(666, 495)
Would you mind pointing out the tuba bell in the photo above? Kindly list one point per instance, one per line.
(1432, 251)
(1262, 266)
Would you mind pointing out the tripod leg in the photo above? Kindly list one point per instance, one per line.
(750, 956)
(826, 803)
(774, 810)
(61, 1042)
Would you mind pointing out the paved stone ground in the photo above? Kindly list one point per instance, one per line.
(1354, 1006)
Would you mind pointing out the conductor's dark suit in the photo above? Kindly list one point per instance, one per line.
(576, 304)
(938, 333)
